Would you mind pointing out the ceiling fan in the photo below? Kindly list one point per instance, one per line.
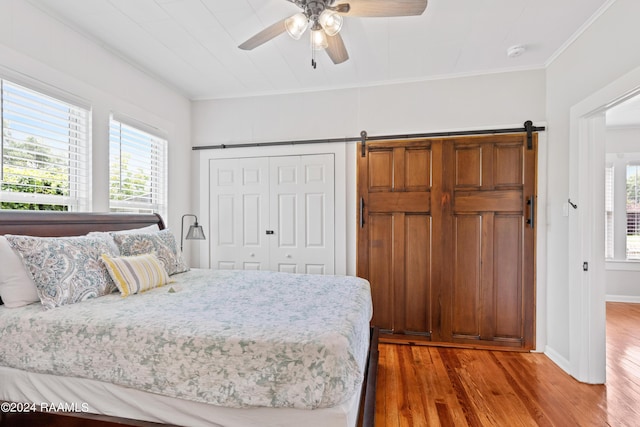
(325, 18)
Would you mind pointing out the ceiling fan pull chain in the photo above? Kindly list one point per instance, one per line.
(313, 57)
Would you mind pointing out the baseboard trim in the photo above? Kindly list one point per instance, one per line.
(623, 298)
(558, 359)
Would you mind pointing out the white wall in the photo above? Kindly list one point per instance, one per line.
(607, 50)
(623, 139)
(38, 50)
(448, 104)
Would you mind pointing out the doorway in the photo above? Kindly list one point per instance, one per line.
(586, 235)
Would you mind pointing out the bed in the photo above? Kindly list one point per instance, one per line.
(208, 348)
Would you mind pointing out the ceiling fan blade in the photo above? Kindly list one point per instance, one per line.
(264, 36)
(336, 49)
(382, 8)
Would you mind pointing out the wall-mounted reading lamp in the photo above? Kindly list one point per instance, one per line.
(195, 231)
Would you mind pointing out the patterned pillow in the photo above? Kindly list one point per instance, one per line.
(134, 274)
(162, 244)
(108, 235)
(66, 270)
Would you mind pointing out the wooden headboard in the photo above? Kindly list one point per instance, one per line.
(57, 224)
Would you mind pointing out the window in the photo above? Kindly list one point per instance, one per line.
(44, 151)
(137, 168)
(622, 207)
(633, 212)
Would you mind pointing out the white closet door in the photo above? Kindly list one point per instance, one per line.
(239, 209)
(302, 214)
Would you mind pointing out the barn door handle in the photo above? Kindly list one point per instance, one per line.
(361, 212)
(530, 203)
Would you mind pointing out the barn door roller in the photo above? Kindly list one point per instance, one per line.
(363, 141)
(528, 127)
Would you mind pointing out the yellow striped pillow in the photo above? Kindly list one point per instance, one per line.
(134, 274)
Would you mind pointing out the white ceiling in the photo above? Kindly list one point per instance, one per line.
(192, 44)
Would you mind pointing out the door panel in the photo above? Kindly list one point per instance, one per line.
(303, 217)
(508, 276)
(380, 272)
(489, 285)
(466, 282)
(251, 214)
(468, 166)
(315, 223)
(225, 234)
(239, 208)
(509, 162)
(287, 268)
(394, 182)
(417, 169)
(380, 177)
(287, 215)
(417, 265)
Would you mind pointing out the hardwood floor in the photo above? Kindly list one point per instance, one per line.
(435, 386)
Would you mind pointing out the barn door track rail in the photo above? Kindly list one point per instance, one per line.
(528, 127)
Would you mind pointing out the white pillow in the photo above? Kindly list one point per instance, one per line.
(17, 288)
(142, 230)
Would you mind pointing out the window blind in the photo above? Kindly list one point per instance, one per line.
(633, 211)
(45, 151)
(137, 167)
(608, 207)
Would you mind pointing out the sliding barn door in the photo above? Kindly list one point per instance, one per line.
(395, 234)
(488, 286)
(446, 238)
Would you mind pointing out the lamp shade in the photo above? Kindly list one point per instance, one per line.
(331, 22)
(296, 25)
(195, 232)
(319, 39)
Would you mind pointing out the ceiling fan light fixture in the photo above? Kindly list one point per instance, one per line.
(331, 22)
(319, 39)
(296, 25)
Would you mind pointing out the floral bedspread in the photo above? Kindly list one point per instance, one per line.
(229, 338)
